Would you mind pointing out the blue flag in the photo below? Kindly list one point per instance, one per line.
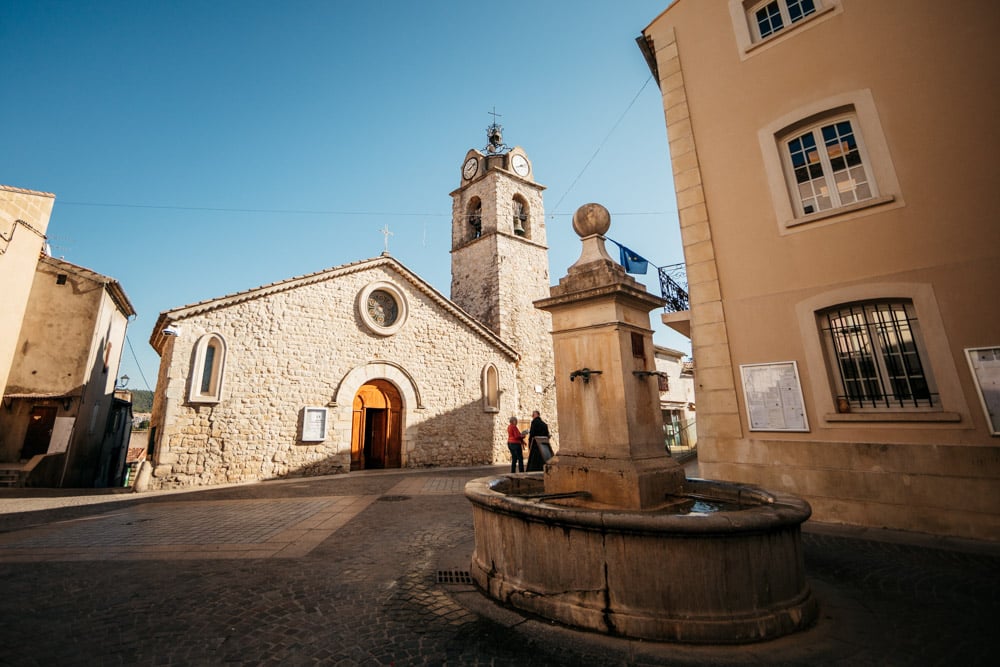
(632, 262)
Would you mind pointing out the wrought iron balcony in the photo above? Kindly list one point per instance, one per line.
(671, 290)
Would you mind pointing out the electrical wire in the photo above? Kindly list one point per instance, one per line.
(219, 209)
(604, 141)
(137, 365)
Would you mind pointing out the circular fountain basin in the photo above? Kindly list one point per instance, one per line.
(719, 563)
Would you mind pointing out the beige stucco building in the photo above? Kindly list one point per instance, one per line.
(366, 365)
(24, 217)
(677, 403)
(832, 161)
(62, 330)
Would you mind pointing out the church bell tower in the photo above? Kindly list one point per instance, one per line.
(500, 263)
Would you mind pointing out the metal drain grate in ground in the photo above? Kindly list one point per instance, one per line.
(454, 577)
(393, 499)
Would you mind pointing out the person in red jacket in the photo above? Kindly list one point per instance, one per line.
(515, 443)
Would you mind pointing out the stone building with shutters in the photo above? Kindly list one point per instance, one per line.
(366, 365)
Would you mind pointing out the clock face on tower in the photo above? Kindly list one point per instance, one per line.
(520, 165)
(470, 168)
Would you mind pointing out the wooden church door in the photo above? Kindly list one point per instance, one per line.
(376, 429)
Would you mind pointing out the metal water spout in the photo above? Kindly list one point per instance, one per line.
(584, 373)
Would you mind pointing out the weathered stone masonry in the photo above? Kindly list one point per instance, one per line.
(300, 343)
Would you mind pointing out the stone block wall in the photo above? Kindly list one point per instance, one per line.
(308, 346)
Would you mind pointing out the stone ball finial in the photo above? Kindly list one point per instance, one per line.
(591, 219)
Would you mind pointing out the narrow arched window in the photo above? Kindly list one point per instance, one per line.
(207, 367)
(491, 389)
(475, 215)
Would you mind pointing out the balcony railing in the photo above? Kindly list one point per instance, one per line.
(671, 290)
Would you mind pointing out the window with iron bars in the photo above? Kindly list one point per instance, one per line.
(875, 348)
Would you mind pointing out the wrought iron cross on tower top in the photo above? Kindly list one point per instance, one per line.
(494, 135)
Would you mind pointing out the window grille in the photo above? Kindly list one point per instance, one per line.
(875, 349)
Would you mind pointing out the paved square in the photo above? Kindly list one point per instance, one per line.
(272, 528)
(429, 486)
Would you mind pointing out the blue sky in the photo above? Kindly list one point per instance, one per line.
(202, 148)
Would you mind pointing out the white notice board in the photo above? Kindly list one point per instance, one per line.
(314, 425)
(61, 431)
(773, 397)
(985, 365)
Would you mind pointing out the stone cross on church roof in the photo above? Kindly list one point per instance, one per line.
(386, 233)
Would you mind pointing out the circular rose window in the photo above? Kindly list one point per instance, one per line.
(382, 307)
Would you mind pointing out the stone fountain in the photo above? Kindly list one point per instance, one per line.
(612, 537)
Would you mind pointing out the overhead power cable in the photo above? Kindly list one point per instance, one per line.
(220, 209)
(137, 364)
(604, 141)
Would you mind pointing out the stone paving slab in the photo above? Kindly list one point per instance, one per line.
(278, 528)
(433, 485)
(362, 586)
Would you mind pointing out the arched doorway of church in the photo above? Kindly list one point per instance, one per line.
(377, 427)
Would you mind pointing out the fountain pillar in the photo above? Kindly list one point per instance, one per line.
(612, 445)
(612, 537)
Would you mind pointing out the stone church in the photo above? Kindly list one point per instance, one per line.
(366, 365)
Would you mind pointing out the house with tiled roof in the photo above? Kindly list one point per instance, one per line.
(61, 424)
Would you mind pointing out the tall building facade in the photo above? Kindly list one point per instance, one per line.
(499, 261)
(832, 160)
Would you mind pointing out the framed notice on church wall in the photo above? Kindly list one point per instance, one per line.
(314, 425)
(773, 396)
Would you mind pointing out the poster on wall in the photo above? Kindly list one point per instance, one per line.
(774, 397)
(314, 425)
(61, 431)
(985, 365)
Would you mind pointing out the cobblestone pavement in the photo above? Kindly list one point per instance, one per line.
(372, 569)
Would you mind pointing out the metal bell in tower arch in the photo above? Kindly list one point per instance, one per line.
(519, 218)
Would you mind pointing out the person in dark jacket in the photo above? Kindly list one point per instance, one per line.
(538, 443)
